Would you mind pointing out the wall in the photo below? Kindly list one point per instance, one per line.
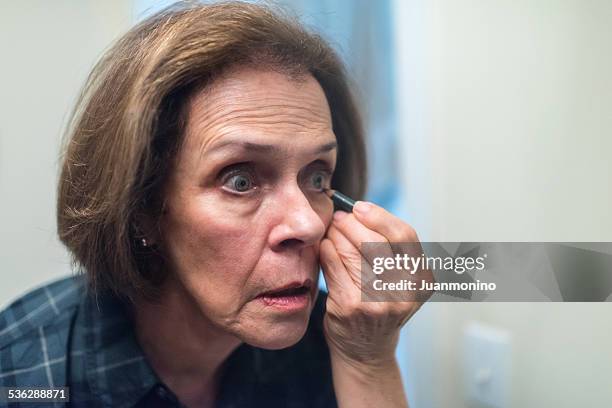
(505, 125)
(48, 48)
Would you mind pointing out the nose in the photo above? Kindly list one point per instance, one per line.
(299, 225)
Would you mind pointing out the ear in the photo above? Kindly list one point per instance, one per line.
(146, 226)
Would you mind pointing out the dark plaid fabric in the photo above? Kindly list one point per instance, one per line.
(57, 336)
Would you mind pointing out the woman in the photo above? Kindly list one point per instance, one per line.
(191, 195)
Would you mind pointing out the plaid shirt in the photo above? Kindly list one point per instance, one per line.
(58, 336)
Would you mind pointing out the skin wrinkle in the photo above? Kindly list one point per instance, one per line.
(221, 110)
(221, 152)
(270, 112)
(225, 127)
(240, 145)
(224, 130)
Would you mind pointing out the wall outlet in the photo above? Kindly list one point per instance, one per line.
(486, 366)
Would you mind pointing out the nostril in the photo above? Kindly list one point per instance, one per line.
(291, 243)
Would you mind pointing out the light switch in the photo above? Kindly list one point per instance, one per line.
(486, 366)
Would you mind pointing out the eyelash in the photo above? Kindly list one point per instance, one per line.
(242, 168)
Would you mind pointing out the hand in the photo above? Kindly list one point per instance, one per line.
(364, 334)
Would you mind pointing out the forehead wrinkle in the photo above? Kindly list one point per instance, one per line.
(285, 148)
(258, 94)
(276, 124)
(256, 116)
(264, 114)
(222, 121)
(246, 126)
(235, 104)
(231, 97)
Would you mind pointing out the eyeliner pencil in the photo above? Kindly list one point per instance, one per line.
(341, 202)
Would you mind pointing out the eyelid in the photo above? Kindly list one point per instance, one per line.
(323, 165)
(320, 165)
(234, 169)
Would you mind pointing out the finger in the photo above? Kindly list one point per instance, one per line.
(376, 218)
(357, 234)
(355, 230)
(402, 238)
(348, 254)
(360, 270)
(355, 259)
(337, 278)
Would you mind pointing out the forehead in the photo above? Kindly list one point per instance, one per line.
(259, 106)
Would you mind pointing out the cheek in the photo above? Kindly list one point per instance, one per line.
(211, 248)
(215, 246)
(324, 207)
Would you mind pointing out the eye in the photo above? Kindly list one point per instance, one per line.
(239, 181)
(319, 179)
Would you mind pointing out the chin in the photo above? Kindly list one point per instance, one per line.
(277, 334)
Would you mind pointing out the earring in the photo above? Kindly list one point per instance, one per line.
(144, 242)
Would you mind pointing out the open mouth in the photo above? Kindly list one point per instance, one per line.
(296, 291)
(296, 296)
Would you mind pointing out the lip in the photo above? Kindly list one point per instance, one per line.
(295, 284)
(289, 303)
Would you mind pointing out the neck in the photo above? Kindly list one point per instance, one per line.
(183, 347)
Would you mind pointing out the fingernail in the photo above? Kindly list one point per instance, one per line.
(338, 215)
(362, 207)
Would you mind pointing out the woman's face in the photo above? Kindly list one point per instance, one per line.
(245, 211)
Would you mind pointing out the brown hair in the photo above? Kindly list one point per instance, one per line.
(129, 120)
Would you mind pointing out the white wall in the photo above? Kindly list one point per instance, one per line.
(47, 49)
(505, 110)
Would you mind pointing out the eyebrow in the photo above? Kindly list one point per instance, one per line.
(266, 148)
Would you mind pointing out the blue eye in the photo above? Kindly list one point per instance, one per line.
(239, 181)
(318, 179)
